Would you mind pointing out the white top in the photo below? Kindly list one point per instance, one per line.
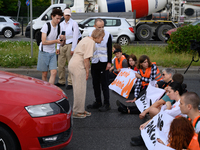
(197, 128)
(52, 36)
(71, 32)
(175, 110)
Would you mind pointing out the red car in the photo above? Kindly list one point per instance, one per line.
(169, 32)
(34, 115)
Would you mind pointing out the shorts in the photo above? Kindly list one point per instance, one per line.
(46, 61)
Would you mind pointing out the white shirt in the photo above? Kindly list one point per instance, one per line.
(71, 32)
(52, 36)
(175, 109)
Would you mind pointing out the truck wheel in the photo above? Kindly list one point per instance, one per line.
(123, 40)
(144, 32)
(161, 31)
(7, 140)
(8, 33)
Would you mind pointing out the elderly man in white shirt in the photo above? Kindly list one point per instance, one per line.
(70, 29)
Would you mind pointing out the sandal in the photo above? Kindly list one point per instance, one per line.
(79, 115)
(87, 113)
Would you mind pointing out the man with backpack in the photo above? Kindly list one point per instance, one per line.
(47, 56)
(72, 34)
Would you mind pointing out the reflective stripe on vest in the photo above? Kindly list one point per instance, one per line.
(119, 64)
(100, 53)
(148, 73)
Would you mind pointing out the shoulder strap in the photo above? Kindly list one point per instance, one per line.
(58, 31)
(49, 28)
(197, 122)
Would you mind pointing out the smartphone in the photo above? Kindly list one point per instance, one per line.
(63, 33)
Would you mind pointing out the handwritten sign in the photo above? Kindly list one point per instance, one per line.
(124, 82)
(158, 127)
(152, 94)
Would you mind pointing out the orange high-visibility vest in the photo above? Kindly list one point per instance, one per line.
(194, 123)
(148, 73)
(194, 144)
(119, 64)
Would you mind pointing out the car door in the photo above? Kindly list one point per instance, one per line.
(2, 23)
(88, 27)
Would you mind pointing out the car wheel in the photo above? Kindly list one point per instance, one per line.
(144, 32)
(161, 31)
(123, 40)
(8, 33)
(7, 140)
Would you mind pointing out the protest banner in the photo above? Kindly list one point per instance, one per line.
(124, 82)
(152, 94)
(158, 127)
(160, 146)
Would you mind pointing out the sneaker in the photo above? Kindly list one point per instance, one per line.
(58, 84)
(69, 87)
(95, 105)
(137, 141)
(105, 107)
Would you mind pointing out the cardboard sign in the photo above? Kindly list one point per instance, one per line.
(152, 94)
(124, 82)
(158, 127)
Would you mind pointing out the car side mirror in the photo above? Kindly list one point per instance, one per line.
(45, 17)
(86, 25)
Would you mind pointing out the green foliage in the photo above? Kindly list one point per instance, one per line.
(10, 7)
(180, 40)
(1, 4)
(16, 54)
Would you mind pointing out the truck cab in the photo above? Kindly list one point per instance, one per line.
(42, 19)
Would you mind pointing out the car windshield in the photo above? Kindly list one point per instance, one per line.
(83, 22)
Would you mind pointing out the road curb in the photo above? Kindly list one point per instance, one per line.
(25, 70)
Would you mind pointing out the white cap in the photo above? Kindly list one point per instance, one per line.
(67, 12)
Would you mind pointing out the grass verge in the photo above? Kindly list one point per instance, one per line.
(14, 54)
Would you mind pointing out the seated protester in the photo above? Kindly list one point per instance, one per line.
(189, 105)
(181, 135)
(167, 78)
(119, 62)
(115, 46)
(174, 91)
(132, 61)
(147, 72)
(155, 108)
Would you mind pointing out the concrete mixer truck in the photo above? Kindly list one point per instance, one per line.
(154, 17)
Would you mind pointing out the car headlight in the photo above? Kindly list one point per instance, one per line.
(43, 110)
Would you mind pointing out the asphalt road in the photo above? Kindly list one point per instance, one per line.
(109, 130)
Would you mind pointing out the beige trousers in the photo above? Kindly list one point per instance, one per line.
(65, 54)
(79, 89)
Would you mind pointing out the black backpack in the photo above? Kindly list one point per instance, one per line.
(39, 35)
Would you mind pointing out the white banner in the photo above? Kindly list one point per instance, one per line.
(152, 94)
(158, 127)
(160, 146)
(124, 82)
(142, 103)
